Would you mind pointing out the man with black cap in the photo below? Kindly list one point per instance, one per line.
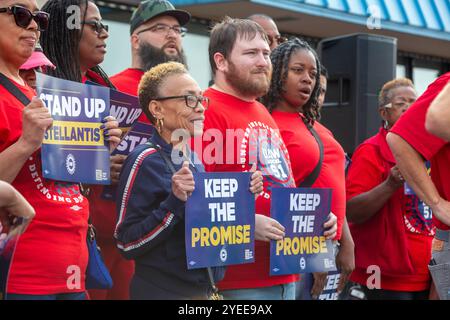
(156, 31)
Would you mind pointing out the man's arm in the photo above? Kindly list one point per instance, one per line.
(412, 167)
(438, 115)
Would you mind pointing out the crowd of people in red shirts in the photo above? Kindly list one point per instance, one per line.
(390, 212)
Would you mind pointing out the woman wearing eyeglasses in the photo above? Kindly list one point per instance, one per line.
(48, 260)
(151, 198)
(391, 227)
(76, 43)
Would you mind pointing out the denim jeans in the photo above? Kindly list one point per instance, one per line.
(59, 296)
(278, 292)
(440, 264)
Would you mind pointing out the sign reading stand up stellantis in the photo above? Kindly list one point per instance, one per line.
(220, 220)
(74, 148)
(304, 249)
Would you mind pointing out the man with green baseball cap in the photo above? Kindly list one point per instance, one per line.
(156, 31)
(155, 8)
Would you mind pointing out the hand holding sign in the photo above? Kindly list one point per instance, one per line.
(256, 182)
(330, 227)
(183, 183)
(112, 132)
(267, 229)
(36, 120)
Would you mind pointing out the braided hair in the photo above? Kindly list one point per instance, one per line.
(280, 61)
(61, 43)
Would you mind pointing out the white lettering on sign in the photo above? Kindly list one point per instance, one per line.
(304, 201)
(303, 224)
(220, 188)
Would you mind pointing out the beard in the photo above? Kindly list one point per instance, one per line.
(246, 83)
(152, 56)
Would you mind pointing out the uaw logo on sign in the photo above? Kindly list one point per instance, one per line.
(71, 164)
(220, 220)
(74, 148)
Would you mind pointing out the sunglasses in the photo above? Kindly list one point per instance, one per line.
(98, 26)
(23, 17)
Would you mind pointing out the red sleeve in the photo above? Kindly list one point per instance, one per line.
(365, 172)
(411, 125)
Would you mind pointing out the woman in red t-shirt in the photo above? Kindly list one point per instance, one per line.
(51, 256)
(82, 52)
(293, 103)
(391, 227)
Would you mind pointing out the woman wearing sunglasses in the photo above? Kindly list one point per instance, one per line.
(48, 261)
(77, 45)
(151, 195)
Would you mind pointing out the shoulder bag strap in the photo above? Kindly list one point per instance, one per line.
(312, 177)
(19, 95)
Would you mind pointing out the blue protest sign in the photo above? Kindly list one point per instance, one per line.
(74, 148)
(220, 220)
(304, 249)
(124, 107)
(139, 133)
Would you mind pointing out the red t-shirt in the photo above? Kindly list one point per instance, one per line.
(304, 153)
(52, 253)
(388, 239)
(128, 81)
(256, 139)
(411, 127)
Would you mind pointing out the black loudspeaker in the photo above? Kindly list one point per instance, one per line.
(358, 66)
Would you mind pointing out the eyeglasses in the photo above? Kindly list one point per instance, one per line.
(98, 26)
(164, 29)
(23, 17)
(398, 105)
(279, 39)
(191, 100)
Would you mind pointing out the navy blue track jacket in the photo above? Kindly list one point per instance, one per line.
(151, 227)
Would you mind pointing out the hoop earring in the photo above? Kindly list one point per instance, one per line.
(159, 125)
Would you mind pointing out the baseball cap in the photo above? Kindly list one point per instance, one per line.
(37, 59)
(155, 8)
